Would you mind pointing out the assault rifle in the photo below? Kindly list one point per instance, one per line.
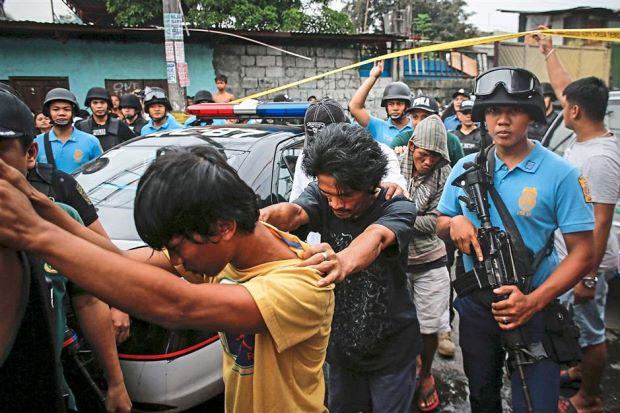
(498, 267)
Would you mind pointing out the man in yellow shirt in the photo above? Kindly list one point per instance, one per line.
(275, 317)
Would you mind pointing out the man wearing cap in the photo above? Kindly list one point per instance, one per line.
(157, 106)
(65, 146)
(537, 130)
(109, 130)
(396, 99)
(449, 116)
(542, 193)
(132, 112)
(422, 107)
(327, 111)
(467, 131)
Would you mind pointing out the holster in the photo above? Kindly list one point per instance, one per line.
(561, 339)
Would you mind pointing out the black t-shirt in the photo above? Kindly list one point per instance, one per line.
(470, 142)
(63, 187)
(110, 134)
(29, 380)
(375, 326)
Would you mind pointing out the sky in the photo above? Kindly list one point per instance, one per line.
(486, 16)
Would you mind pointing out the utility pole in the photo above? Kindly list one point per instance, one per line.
(176, 67)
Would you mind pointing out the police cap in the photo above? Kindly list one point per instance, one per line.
(16, 120)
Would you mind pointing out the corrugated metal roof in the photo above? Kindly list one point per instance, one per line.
(562, 11)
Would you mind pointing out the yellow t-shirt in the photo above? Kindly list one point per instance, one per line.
(280, 371)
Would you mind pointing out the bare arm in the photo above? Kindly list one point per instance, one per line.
(558, 75)
(98, 228)
(356, 105)
(603, 217)
(94, 318)
(286, 216)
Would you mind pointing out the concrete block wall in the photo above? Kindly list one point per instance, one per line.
(255, 68)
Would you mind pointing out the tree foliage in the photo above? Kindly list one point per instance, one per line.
(311, 16)
(443, 20)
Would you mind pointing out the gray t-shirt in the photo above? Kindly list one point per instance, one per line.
(598, 160)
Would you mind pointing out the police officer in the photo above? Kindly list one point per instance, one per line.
(132, 112)
(538, 129)
(157, 106)
(396, 99)
(109, 130)
(27, 342)
(542, 193)
(203, 96)
(65, 146)
(467, 131)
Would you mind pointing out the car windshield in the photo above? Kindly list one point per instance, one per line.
(111, 182)
(563, 137)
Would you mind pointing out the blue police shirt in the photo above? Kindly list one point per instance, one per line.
(169, 124)
(80, 148)
(216, 122)
(452, 122)
(542, 193)
(383, 131)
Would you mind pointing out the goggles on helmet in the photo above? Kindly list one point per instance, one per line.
(154, 94)
(514, 80)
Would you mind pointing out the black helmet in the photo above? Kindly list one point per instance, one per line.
(396, 91)
(97, 93)
(426, 103)
(59, 93)
(16, 120)
(203, 96)
(155, 95)
(508, 86)
(129, 100)
(547, 90)
(282, 97)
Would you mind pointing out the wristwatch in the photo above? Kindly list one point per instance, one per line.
(589, 282)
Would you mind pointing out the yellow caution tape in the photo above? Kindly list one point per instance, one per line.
(607, 35)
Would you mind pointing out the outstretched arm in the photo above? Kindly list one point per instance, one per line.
(558, 75)
(356, 105)
(286, 216)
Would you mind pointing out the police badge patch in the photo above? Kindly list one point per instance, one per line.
(585, 188)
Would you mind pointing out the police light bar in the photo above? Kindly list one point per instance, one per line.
(249, 110)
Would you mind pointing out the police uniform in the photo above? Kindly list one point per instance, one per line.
(109, 134)
(80, 148)
(137, 125)
(469, 142)
(537, 130)
(169, 124)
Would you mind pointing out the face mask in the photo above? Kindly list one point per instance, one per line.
(62, 123)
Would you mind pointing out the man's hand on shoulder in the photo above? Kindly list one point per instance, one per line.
(322, 258)
(19, 223)
(393, 190)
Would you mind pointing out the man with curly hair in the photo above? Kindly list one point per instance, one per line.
(375, 333)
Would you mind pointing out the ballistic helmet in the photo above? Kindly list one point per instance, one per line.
(203, 96)
(508, 86)
(547, 90)
(425, 103)
(16, 120)
(396, 91)
(155, 95)
(129, 100)
(97, 93)
(59, 93)
(282, 97)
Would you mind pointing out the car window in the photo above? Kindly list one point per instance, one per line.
(286, 158)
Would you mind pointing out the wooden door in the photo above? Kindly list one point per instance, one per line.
(34, 89)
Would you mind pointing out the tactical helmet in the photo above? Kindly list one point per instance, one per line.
(203, 96)
(508, 86)
(97, 93)
(547, 90)
(155, 95)
(396, 91)
(425, 103)
(59, 93)
(130, 101)
(16, 120)
(282, 97)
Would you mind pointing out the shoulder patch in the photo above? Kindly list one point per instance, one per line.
(583, 182)
(82, 193)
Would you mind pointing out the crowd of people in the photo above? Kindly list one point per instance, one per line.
(351, 320)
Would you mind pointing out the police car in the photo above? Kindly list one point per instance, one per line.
(168, 370)
(558, 138)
